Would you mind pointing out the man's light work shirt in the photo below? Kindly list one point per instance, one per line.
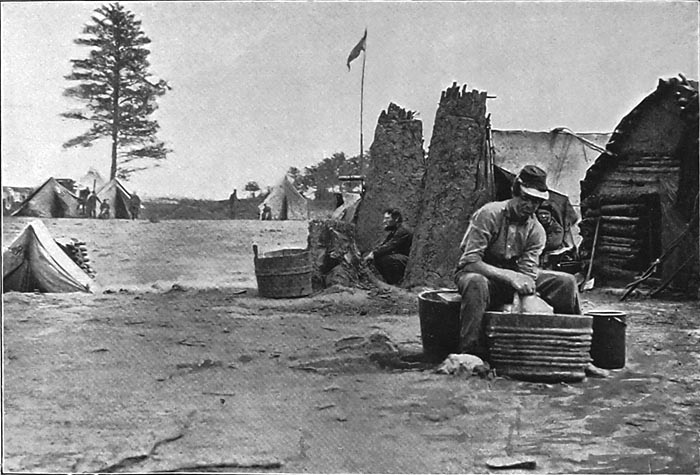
(496, 237)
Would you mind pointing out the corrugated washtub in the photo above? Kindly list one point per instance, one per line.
(539, 347)
(284, 273)
(608, 346)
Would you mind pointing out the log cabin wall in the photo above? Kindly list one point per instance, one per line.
(395, 175)
(458, 181)
(638, 190)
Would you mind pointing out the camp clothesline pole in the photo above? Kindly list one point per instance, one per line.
(585, 141)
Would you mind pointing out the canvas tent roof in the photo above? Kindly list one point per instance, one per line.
(118, 198)
(35, 262)
(565, 156)
(50, 200)
(346, 212)
(92, 180)
(286, 202)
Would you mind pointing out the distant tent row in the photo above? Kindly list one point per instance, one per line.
(286, 202)
(53, 200)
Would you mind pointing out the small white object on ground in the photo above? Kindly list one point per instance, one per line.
(459, 363)
(594, 371)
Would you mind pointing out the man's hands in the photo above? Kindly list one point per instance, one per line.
(523, 284)
(369, 257)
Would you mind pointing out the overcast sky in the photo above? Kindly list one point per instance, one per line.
(259, 87)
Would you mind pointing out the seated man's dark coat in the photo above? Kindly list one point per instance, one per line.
(391, 256)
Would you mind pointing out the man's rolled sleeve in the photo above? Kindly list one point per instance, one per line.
(528, 262)
(476, 240)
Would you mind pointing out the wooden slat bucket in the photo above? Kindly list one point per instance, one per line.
(285, 273)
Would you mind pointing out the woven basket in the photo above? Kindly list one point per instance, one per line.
(283, 274)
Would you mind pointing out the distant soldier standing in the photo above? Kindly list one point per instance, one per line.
(82, 201)
(266, 214)
(92, 205)
(134, 205)
(232, 204)
(104, 210)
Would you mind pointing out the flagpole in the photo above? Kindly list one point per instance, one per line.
(362, 100)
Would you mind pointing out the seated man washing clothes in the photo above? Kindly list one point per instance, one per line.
(500, 256)
(391, 256)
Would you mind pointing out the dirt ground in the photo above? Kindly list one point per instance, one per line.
(144, 375)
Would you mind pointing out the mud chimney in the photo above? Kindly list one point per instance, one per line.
(458, 181)
(395, 174)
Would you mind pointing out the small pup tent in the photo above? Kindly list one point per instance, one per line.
(35, 262)
(92, 180)
(286, 202)
(118, 198)
(50, 200)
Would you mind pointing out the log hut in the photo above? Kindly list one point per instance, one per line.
(641, 193)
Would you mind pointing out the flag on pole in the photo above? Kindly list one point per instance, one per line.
(359, 47)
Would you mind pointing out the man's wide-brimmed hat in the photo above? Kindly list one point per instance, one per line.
(533, 182)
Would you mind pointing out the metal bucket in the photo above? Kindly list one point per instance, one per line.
(608, 344)
(439, 322)
(283, 274)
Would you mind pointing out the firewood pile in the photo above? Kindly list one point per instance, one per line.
(394, 178)
(77, 251)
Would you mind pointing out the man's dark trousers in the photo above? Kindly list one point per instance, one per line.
(480, 294)
(392, 267)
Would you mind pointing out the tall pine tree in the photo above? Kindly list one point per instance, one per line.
(118, 97)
